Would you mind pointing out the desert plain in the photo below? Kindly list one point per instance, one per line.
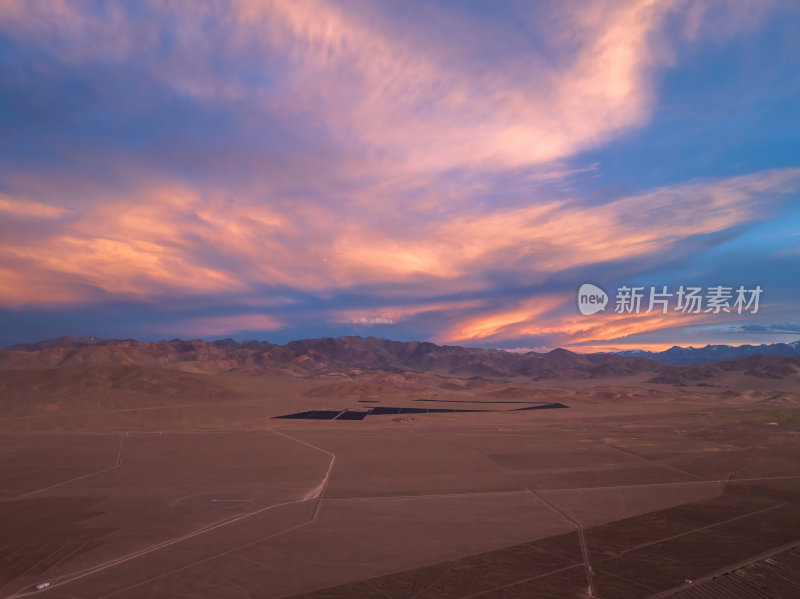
(122, 480)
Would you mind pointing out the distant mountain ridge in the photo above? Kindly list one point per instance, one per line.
(353, 355)
(714, 353)
(317, 356)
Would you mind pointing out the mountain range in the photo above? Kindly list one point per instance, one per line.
(714, 353)
(354, 355)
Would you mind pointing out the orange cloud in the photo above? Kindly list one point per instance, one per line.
(541, 316)
(496, 325)
(172, 239)
(553, 236)
(581, 329)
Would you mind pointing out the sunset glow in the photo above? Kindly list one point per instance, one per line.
(450, 172)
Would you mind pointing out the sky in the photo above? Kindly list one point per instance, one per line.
(450, 171)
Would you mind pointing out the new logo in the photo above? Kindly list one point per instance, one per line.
(591, 299)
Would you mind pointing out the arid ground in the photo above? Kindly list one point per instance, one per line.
(125, 481)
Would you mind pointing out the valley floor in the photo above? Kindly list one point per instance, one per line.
(615, 497)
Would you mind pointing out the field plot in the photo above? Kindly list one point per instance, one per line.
(594, 506)
(354, 539)
(569, 459)
(163, 486)
(402, 462)
(553, 563)
(775, 575)
(667, 563)
(33, 462)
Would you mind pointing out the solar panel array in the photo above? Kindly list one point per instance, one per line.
(361, 413)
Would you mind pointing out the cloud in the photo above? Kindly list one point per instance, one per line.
(554, 236)
(393, 96)
(395, 314)
(497, 324)
(366, 320)
(23, 286)
(414, 100)
(555, 318)
(216, 326)
(22, 208)
(786, 327)
(418, 97)
(171, 240)
(348, 160)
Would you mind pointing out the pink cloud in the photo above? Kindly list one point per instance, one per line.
(25, 208)
(408, 94)
(216, 326)
(401, 112)
(399, 313)
(552, 236)
(171, 239)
